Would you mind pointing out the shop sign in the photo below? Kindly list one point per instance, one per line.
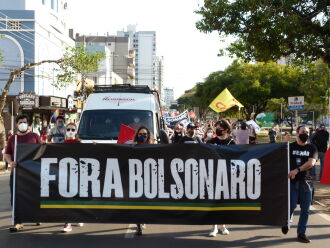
(28, 100)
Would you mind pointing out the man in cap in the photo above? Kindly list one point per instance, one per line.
(190, 136)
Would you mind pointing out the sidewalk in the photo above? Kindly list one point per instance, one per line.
(322, 196)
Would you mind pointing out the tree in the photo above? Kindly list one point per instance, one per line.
(76, 60)
(268, 30)
(252, 85)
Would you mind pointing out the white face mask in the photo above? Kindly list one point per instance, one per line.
(210, 135)
(22, 127)
(70, 134)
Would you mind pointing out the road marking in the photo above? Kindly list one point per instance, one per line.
(130, 231)
(324, 216)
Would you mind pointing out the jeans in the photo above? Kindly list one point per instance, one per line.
(301, 191)
(321, 157)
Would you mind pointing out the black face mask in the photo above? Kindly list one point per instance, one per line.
(191, 133)
(219, 132)
(142, 139)
(303, 137)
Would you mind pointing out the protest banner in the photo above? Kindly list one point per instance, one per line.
(181, 118)
(163, 184)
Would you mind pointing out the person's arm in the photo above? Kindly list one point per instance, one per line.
(306, 166)
(9, 160)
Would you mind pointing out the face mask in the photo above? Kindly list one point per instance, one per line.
(303, 137)
(60, 124)
(218, 132)
(142, 139)
(209, 135)
(22, 127)
(191, 133)
(70, 134)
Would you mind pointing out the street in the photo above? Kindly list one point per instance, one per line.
(122, 235)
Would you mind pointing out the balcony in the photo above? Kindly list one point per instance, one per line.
(131, 72)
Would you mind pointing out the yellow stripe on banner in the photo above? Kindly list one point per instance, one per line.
(155, 207)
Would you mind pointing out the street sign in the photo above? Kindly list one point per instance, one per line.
(296, 107)
(296, 102)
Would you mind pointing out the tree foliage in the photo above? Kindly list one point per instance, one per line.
(75, 60)
(268, 30)
(261, 86)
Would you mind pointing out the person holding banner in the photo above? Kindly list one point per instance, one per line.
(142, 136)
(303, 156)
(23, 135)
(70, 138)
(222, 130)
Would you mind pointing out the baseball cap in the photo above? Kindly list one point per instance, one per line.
(191, 125)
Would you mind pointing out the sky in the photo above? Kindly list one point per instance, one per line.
(189, 55)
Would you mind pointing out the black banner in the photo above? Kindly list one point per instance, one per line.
(163, 184)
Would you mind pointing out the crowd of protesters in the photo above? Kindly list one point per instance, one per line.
(222, 133)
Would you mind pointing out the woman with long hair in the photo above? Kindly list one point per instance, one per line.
(142, 136)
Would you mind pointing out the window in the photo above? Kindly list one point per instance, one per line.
(15, 24)
(54, 5)
(105, 124)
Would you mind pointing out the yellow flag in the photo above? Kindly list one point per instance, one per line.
(224, 101)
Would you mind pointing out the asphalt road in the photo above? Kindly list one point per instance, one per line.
(48, 235)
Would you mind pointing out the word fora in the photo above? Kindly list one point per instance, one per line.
(193, 179)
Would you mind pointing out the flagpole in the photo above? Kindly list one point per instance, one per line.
(14, 185)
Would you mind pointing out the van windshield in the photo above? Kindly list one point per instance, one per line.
(105, 124)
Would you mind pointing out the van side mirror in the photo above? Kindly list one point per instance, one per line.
(163, 137)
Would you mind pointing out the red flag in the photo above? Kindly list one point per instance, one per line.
(326, 169)
(126, 133)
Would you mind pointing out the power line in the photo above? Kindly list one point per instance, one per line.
(34, 31)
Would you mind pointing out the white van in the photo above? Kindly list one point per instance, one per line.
(110, 106)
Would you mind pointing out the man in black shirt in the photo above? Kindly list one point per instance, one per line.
(302, 158)
(320, 139)
(222, 130)
(190, 136)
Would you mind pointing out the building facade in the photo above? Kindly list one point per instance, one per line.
(168, 97)
(120, 59)
(144, 44)
(33, 31)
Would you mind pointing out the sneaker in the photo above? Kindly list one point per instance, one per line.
(16, 228)
(38, 224)
(303, 238)
(67, 228)
(224, 231)
(80, 224)
(285, 229)
(213, 233)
